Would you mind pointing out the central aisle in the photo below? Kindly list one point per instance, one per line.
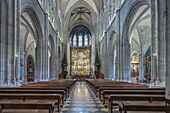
(83, 100)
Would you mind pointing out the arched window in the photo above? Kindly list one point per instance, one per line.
(85, 40)
(80, 40)
(74, 40)
(80, 36)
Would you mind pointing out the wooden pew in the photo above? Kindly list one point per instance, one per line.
(96, 84)
(35, 88)
(136, 106)
(24, 97)
(127, 88)
(117, 99)
(106, 93)
(61, 92)
(16, 104)
(69, 84)
(167, 106)
(66, 85)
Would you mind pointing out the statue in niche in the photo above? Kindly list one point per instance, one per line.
(30, 70)
(148, 77)
(132, 71)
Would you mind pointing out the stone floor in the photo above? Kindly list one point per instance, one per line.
(82, 100)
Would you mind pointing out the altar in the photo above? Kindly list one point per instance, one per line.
(80, 77)
(80, 62)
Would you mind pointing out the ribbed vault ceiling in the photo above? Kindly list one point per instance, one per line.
(79, 11)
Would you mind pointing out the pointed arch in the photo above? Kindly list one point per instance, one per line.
(126, 36)
(31, 22)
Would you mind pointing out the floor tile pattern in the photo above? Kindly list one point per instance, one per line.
(83, 100)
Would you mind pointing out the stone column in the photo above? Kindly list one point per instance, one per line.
(68, 55)
(17, 40)
(46, 69)
(168, 44)
(168, 39)
(45, 48)
(154, 38)
(1, 44)
(16, 71)
(141, 68)
(106, 60)
(107, 57)
(162, 41)
(93, 53)
(118, 48)
(4, 34)
(38, 61)
(58, 56)
(10, 43)
(56, 53)
(114, 68)
(126, 60)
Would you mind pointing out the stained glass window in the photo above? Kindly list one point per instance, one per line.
(80, 36)
(74, 40)
(85, 40)
(80, 40)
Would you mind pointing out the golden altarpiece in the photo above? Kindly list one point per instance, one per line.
(80, 61)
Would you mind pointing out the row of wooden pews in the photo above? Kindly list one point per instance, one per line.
(128, 96)
(167, 106)
(40, 95)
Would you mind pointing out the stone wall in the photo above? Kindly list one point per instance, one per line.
(22, 21)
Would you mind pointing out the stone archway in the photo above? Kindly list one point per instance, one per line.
(30, 43)
(51, 58)
(136, 36)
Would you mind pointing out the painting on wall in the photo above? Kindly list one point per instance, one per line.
(30, 69)
(135, 67)
(147, 65)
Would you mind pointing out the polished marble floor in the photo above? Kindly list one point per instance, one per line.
(83, 100)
